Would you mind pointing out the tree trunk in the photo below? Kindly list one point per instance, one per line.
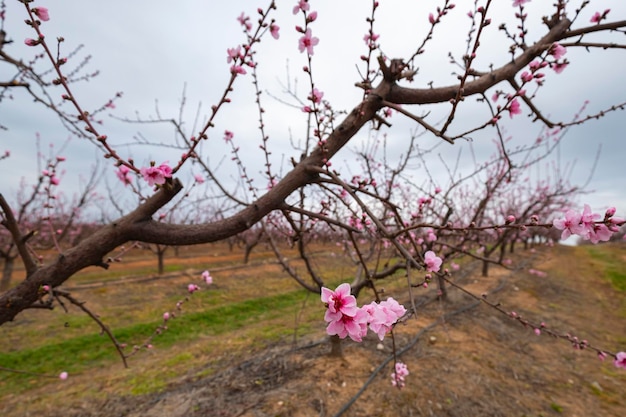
(335, 347)
(7, 273)
(443, 291)
(161, 258)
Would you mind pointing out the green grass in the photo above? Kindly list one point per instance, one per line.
(80, 353)
(612, 267)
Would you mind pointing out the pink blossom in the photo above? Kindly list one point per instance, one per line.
(431, 19)
(233, 54)
(557, 51)
(382, 316)
(31, 42)
(311, 17)
(353, 326)
(302, 5)
(42, 13)
(339, 301)
(397, 377)
(156, 175)
(166, 316)
(370, 38)
(598, 17)
(620, 360)
(599, 233)
(206, 276)
(274, 31)
(610, 212)
(519, 2)
(123, 173)
(238, 69)
(570, 225)
(244, 21)
(558, 67)
(527, 77)
(228, 135)
(63, 376)
(199, 178)
(316, 96)
(432, 261)
(510, 219)
(192, 288)
(514, 108)
(307, 42)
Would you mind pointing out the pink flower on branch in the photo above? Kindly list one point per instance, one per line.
(274, 31)
(340, 302)
(307, 42)
(42, 13)
(156, 175)
(620, 360)
(432, 261)
(316, 96)
(570, 225)
(517, 3)
(514, 108)
(557, 51)
(401, 372)
(302, 5)
(233, 54)
(206, 276)
(31, 42)
(123, 173)
(598, 17)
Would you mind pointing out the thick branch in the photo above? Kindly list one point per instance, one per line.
(403, 95)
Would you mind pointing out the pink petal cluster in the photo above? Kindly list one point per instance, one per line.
(620, 360)
(192, 288)
(397, 377)
(208, 279)
(302, 5)
(598, 17)
(123, 173)
(307, 42)
(63, 376)
(588, 225)
(557, 51)
(156, 175)
(514, 108)
(42, 13)
(519, 2)
(432, 261)
(345, 318)
(274, 31)
(382, 316)
(316, 96)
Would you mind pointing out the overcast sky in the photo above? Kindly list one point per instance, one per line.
(151, 50)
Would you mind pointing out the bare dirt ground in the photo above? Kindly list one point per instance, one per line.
(476, 363)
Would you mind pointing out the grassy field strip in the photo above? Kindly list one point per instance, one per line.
(83, 352)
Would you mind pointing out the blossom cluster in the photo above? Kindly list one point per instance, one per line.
(156, 174)
(345, 318)
(397, 377)
(588, 225)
